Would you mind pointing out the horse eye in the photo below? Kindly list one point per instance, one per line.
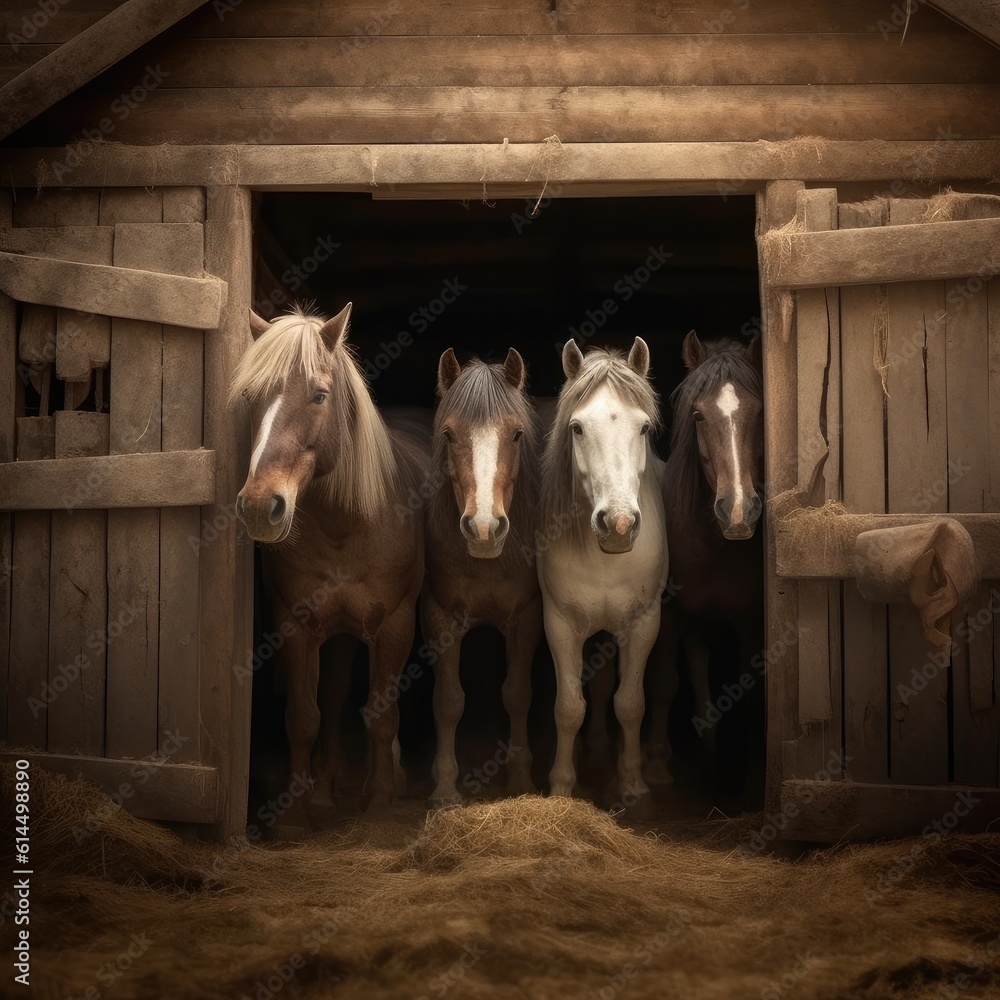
(320, 397)
(645, 429)
(577, 429)
(698, 416)
(518, 434)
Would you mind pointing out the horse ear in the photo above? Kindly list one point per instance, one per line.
(258, 325)
(692, 351)
(638, 357)
(753, 349)
(572, 358)
(333, 331)
(513, 370)
(448, 371)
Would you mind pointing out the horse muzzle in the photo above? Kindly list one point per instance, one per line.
(267, 518)
(485, 541)
(616, 535)
(738, 521)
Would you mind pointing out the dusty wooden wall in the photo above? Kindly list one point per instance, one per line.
(267, 71)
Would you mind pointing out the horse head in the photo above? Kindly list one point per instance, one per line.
(722, 396)
(287, 376)
(607, 410)
(483, 426)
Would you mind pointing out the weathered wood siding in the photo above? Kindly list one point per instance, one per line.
(265, 71)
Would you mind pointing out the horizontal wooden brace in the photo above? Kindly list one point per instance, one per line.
(729, 168)
(922, 252)
(831, 811)
(149, 789)
(814, 544)
(195, 303)
(156, 479)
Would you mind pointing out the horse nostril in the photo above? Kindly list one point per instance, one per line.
(467, 527)
(503, 526)
(240, 507)
(277, 509)
(601, 517)
(724, 509)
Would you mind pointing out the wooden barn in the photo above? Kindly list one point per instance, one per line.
(826, 173)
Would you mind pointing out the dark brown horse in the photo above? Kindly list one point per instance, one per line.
(327, 491)
(480, 547)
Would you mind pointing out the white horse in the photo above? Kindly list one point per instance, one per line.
(603, 546)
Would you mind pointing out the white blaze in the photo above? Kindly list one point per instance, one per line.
(485, 457)
(728, 403)
(264, 433)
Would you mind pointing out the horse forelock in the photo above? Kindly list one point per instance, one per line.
(726, 361)
(600, 367)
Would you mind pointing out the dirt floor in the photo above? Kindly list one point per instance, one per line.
(527, 897)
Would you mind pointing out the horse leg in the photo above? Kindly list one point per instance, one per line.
(334, 686)
(566, 647)
(662, 683)
(698, 659)
(386, 659)
(302, 718)
(599, 669)
(449, 698)
(633, 651)
(522, 641)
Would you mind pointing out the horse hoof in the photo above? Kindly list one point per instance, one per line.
(445, 801)
(657, 772)
(639, 809)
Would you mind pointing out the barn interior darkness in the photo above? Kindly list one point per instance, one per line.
(481, 277)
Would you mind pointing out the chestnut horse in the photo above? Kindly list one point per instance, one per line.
(327, 491)
(606, 566)
(480, 548)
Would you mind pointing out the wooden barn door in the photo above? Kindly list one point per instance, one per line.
(882, 396)
(123, 598)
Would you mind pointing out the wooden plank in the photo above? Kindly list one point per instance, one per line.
(171, 479)
(775, 208)
(86, 55)
(184, 204)
(37, 208)
(816, 210)
(226, 583)
(813, 544)
(573, 60)
(833, 811)
(180, 249)
(530, 114)
(975, 719)
(134, 205)
(27, 23)
(29, 613)
(130, 293)
(84, 244)
(36, 343)
(150, 789)
(78, 623)
(134, 534)
(993, 501)
(866, 718)
(917, 465)
(925, 251)
(361, 19)
(8, 409)
(697, 166)
(980, 16)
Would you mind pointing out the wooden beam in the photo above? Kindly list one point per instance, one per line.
(813, 544)
(158, 479)
(718, 168)
(979, 16)
(149, 789)
(84, 244)
(921, 252)
(83, 57)
(113, 291)
(831, 811)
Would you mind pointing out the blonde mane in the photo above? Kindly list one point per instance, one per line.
(599, 367)
(364, 473)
